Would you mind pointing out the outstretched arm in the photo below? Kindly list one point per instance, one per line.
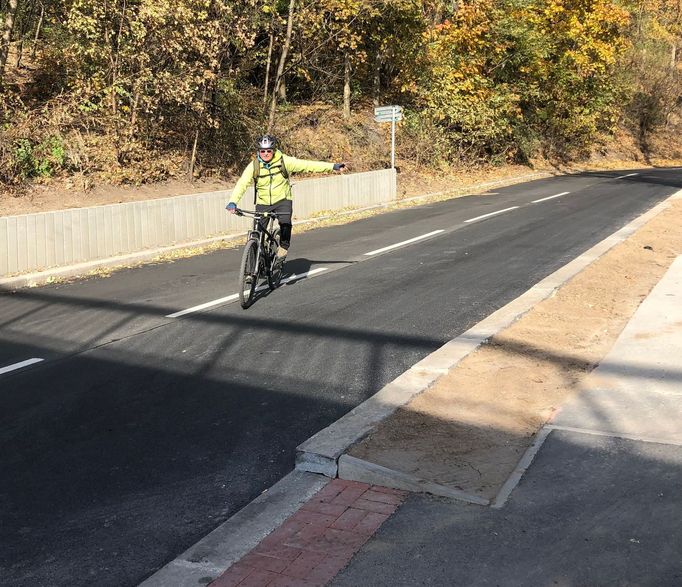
(295, 165)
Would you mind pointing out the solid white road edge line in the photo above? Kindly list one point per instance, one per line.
(550, 197)
(407, 242)
(628, 175)
(16, 366)
(233, 297)
(491, 214)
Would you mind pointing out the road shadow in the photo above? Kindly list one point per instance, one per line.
(169, 431)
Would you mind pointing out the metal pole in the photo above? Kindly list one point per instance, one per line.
(393, 137)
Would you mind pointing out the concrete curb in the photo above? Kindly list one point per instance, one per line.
(122, 261)
(525, 462)
(321, 452)
(230, 541)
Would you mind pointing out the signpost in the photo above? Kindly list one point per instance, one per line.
(390, 114)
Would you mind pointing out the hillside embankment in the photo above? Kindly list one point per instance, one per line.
(318, 132)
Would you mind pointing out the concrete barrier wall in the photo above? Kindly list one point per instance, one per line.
(33, 242)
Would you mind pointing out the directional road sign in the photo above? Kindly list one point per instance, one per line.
(388, 113)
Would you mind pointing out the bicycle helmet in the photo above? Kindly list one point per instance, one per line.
(266, 142)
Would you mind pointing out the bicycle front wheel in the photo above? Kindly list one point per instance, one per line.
(276, 264)
(248, 273)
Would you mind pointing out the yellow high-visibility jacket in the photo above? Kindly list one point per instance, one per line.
(273, 185)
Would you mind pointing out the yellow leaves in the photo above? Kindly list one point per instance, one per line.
(557, 58)
(590, 34)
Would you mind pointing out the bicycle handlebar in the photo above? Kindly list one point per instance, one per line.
(240, 212)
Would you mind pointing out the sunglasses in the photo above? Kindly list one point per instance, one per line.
(265, 151)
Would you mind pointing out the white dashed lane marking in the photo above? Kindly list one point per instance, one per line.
(550, 197)
(491, 214)
(403, 243)
(20, 365)
(233, 297)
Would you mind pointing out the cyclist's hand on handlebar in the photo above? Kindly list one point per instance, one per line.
(340, 167)
(231, 208)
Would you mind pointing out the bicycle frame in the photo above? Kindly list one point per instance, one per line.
(263, 233)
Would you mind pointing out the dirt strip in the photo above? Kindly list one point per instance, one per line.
(469, 430)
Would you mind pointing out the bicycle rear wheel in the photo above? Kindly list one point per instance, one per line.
(276, 264)
(248, 273)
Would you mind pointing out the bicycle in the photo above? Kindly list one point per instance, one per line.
(259, 258)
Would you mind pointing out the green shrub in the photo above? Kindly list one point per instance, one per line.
(41, 160)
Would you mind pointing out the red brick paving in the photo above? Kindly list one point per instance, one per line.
(318, 541)
(371, 522)
(375, 506)
(382, 497)
(349, 519)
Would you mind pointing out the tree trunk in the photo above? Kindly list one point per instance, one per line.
(38, 27)
(7, 28)
(346, 87)
(133, 112)
(115, 61)
(376, 78)
(20, 53)
(269, 61)
(280, 67)
(283, 88)
(193, 158)
(673, 54)
(673, 50)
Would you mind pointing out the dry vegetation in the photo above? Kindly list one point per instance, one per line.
(97, 99)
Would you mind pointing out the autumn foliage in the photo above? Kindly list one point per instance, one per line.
(139, 90)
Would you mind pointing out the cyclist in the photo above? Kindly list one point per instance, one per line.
(270, 171)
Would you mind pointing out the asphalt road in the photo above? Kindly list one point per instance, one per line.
(137, 433)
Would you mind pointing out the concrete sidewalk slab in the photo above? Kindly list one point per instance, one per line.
(637, 389)
(590, 511)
